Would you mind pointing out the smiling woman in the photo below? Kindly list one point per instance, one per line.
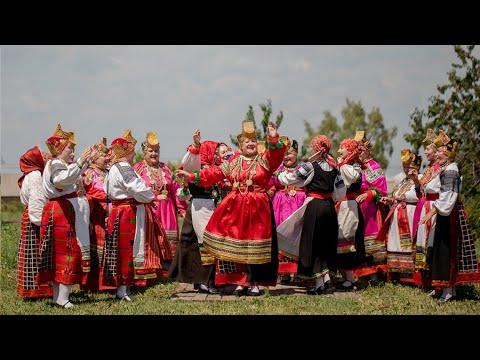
(241, 231)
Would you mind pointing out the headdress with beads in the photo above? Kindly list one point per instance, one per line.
(363, 143)
(124, 145)
(151, 142)
(410, 159)
(59, 141)
(429, 137)
(443, 140)
(102, 149)
(248, 132)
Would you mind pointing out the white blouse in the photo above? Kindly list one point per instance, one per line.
(122, 182)
(32, 195)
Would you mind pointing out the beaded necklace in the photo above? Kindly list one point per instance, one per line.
(251, 168)
(427, 176)
(402, 188)
(157, 179)
(101, 172)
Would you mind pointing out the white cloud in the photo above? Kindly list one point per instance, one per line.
(103, 90)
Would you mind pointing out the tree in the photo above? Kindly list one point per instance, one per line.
(267, 113)
(456, 110)
(328, 127)
(354, 118)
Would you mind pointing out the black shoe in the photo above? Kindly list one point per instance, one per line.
(327, 289)
(312, 291)
(342, 287)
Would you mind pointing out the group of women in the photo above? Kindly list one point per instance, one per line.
(106, 223)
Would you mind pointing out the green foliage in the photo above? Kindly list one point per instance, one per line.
(138, 157)
(472, 207)
(10, 233)
(354, 118)
(456, 110)
(11, 210)
(266, 117)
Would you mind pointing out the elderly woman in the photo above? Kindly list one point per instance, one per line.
(351, 234)
(93, 181)
(241, 230)
(397, 230)
(452, 258)
(137, 243)
(374, 186)
(315, 224)
(32, 197)
(159, 177)
(65, 249)
(423, 207)
(191, 263)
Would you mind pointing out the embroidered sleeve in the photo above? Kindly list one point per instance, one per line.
(350, 173)
(127, 173)
(300, 177)
(63, 175)
(340, 190)
(228, 166)
(450, 185)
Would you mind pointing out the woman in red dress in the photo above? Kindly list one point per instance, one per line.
(241, 230)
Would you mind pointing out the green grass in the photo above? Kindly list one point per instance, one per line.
(385, 299)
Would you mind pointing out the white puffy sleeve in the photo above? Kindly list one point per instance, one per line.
(450, 184)
(301, 177)
(37, 199)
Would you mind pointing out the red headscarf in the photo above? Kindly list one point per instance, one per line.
(349, 144)
(207, 152)
(30, 161)
(322, 143)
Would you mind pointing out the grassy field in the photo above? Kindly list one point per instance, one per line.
(384, 299)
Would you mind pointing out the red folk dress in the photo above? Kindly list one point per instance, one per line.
(240, 229)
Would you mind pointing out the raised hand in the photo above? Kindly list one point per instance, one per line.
(271, 129)
(196, 138)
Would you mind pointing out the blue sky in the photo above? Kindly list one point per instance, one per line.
(99, 91)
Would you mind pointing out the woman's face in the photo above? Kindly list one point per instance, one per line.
(101, 162)
(151, 156)
(224, 152)
(430, 153)
(68, 154)
(249, 147)
(290, 158)
(441, 156)
(343, 152)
